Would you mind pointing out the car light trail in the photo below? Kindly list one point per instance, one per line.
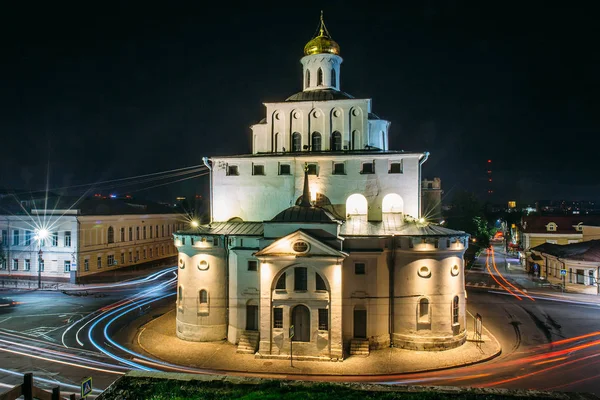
(503, 278)
(487, 265)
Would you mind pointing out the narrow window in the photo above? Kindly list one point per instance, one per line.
(320, 77)
(296, 142)
(281, 282)
(28, 238)
(359, 268)
(15, 265)
(150, 250)
(203, 297)
(424, 311)
(150, 231)
(368, 168)
(67, 266)
(111, 234)
(396, 167)
(333, 77)
(122, 258)
(180, 295)
(130, 234)
(110, 260)
(27, 265)
(316, 141)
(4, 237)
(144, 232)
(137, 233)
(55, 239)
(144, 253)
(252, 265)
(122, 234)
(215, 241)
(162, 230)
(339, 168)
(312, 169)
(323, 319)
(99, 262)
(232, 170)
(307, 78)
(319, 282)
(300, 278)
(284, 169)
(15, 237)
(455, 310)
(86, 264)
(336, 141)
(278, 317)
(258, 169)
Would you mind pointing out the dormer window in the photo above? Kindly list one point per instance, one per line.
(551, 227)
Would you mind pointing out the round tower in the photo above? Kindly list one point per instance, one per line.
(321, 61)
(201, 288)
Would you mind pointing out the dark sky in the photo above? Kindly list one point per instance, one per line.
(103, 93)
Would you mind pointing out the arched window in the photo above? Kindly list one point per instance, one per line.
(320, 77)
(319, 282)
(455, 310)
(203, 297)
(122, 234)
(180, 295)
(276, 143)
(111, 234)
(424, 311)
(316, 141)
(354, 139)
(307, 78)
(296, 142)
(336, 141)
(333, 77)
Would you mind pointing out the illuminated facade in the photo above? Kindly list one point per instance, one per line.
(320, 229)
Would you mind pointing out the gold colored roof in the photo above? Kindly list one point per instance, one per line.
(322, 43)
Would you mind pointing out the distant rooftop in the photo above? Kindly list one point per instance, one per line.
(582, 251)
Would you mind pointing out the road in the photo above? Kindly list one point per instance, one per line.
(548, 341)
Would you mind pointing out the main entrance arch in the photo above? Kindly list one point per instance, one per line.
(301, 322)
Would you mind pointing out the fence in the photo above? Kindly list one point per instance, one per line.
(30, 392)
(27, 284)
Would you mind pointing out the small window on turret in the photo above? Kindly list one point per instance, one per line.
(320, 77)
(307, 78)
(232, 170)
(333, 77)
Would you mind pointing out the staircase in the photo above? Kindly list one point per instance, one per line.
(248, 342)
(359, 347)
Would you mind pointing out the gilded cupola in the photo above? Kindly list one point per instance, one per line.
(322, 43)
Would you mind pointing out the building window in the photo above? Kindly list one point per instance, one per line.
(137, 233)
(15, 237)
(67, 266)
(333, 77)
(203, 296)
(312, 169)
(307, 78)
(280, 282)
(252, 265)
(150, 227)
(258, 169)
(284, 169)
(339, 168)
(455, 310)
(180, 295)
(300, 274)
(323, 319)
(368, 168)
(319, 282)
(300, 246)
(28, 235)
(319, 77)
(55, 239)
(122, 258)
(27, 265)
(551, 227)
(395, 167)
(3, 264)
(183, 240)
(99, 262)
(215, 241)
(359, 268)
(144, 232)
(4, 237)
(40, 265)
(424, 311)
(111, 234)
(15, 264)
(163, 231)
(150, 252)
(278, 317)
(86, 264)
(336, 141)
(137, 255)
(296, 142)
(130, 234)
(232, 170)
(122, 234)
(144, 252)
(316, 141)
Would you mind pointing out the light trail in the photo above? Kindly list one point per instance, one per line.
(487, 265)
(50, 381)
(504, 279)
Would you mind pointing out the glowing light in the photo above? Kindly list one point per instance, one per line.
(421, 220)
(42, 234)
(194, 223)
(113, 196)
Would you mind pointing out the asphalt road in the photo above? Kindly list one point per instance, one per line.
(548, 342)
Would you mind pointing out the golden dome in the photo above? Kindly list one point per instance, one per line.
(322, 43)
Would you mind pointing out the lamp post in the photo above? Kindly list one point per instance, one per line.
(41, 235)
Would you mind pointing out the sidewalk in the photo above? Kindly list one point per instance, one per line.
(158, 339)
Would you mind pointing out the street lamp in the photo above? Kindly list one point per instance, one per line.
(41, 235)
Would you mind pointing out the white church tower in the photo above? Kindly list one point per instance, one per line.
(319, 227)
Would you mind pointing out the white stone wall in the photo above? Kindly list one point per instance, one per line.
(244, 286)
(260, 198)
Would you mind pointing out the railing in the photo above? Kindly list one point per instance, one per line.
(27, 284)
(30, 392)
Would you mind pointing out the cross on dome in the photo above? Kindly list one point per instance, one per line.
(322, 43)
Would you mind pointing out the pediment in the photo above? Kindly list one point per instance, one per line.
(300, 244)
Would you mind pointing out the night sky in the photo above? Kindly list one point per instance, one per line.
(108, 93)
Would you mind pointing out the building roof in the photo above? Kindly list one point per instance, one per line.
(314, 154)
(582, 251)
(320, 95)
(565, 224)
(227, 228)
(304, 214)
(393, 224)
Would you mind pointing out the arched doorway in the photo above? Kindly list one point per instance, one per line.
(392, 203)
(356, 204)
(301, 322)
